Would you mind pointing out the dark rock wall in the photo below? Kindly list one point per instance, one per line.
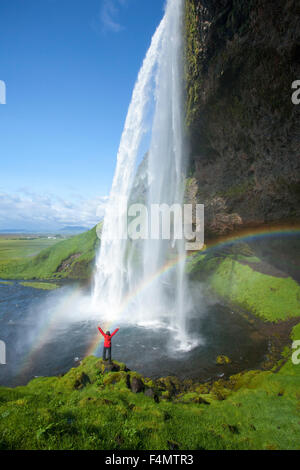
(241, 59)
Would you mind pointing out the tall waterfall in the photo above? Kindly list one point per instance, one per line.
(132, 283)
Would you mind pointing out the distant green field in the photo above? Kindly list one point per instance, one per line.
(17, 249)
(40, 285)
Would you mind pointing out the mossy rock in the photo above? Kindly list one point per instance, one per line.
(106, 367)
(94, 401)
(136, 374)
(116, 377)
(220, 390)
(81, 381)
(136, 384)
(223, 360)
(151, 393)
(203, 389)
(192, 397)
(170, 384)
(75, 379)
(149, 382)
(166, 395)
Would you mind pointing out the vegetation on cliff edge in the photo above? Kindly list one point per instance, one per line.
(72, 258)
(230, 277)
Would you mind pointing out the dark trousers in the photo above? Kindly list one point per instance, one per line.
(108, 351)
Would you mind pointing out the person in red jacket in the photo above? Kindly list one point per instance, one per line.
(107, 343)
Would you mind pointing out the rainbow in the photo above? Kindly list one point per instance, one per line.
(46, 331)
(250, 234)
(255, 232)
(132, 295)
(242, 235)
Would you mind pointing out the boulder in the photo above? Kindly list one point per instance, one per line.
(107, 367)
(223, 360)
(82, 381)
(169, 384)
(137, 385)
(149, 392)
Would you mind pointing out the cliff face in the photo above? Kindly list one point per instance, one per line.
(241, 59)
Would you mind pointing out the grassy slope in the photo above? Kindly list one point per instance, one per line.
(271, 298)
(45, 265)
(254, 410)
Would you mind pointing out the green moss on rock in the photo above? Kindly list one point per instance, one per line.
(223, 360)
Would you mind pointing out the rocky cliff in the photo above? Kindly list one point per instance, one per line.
(241, 59)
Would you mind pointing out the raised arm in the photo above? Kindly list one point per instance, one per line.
(116, 331)
(102, 332)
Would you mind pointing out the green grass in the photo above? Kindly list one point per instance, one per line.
(40, 285)
(194, 262)
(271, 298)
(248, 259)
(86, 409)
(18, 249)
(77, 252)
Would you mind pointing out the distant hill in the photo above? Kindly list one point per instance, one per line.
(66, 229)
(15, 230)
(73, 229)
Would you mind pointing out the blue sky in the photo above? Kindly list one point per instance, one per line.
(69, 67)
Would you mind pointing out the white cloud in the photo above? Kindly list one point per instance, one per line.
(28, 210)
(109, 15)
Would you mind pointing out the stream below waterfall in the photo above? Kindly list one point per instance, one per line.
(142, 349)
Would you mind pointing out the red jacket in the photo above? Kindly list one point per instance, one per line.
(107, 338)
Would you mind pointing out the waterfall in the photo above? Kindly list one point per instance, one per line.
(124, 286)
